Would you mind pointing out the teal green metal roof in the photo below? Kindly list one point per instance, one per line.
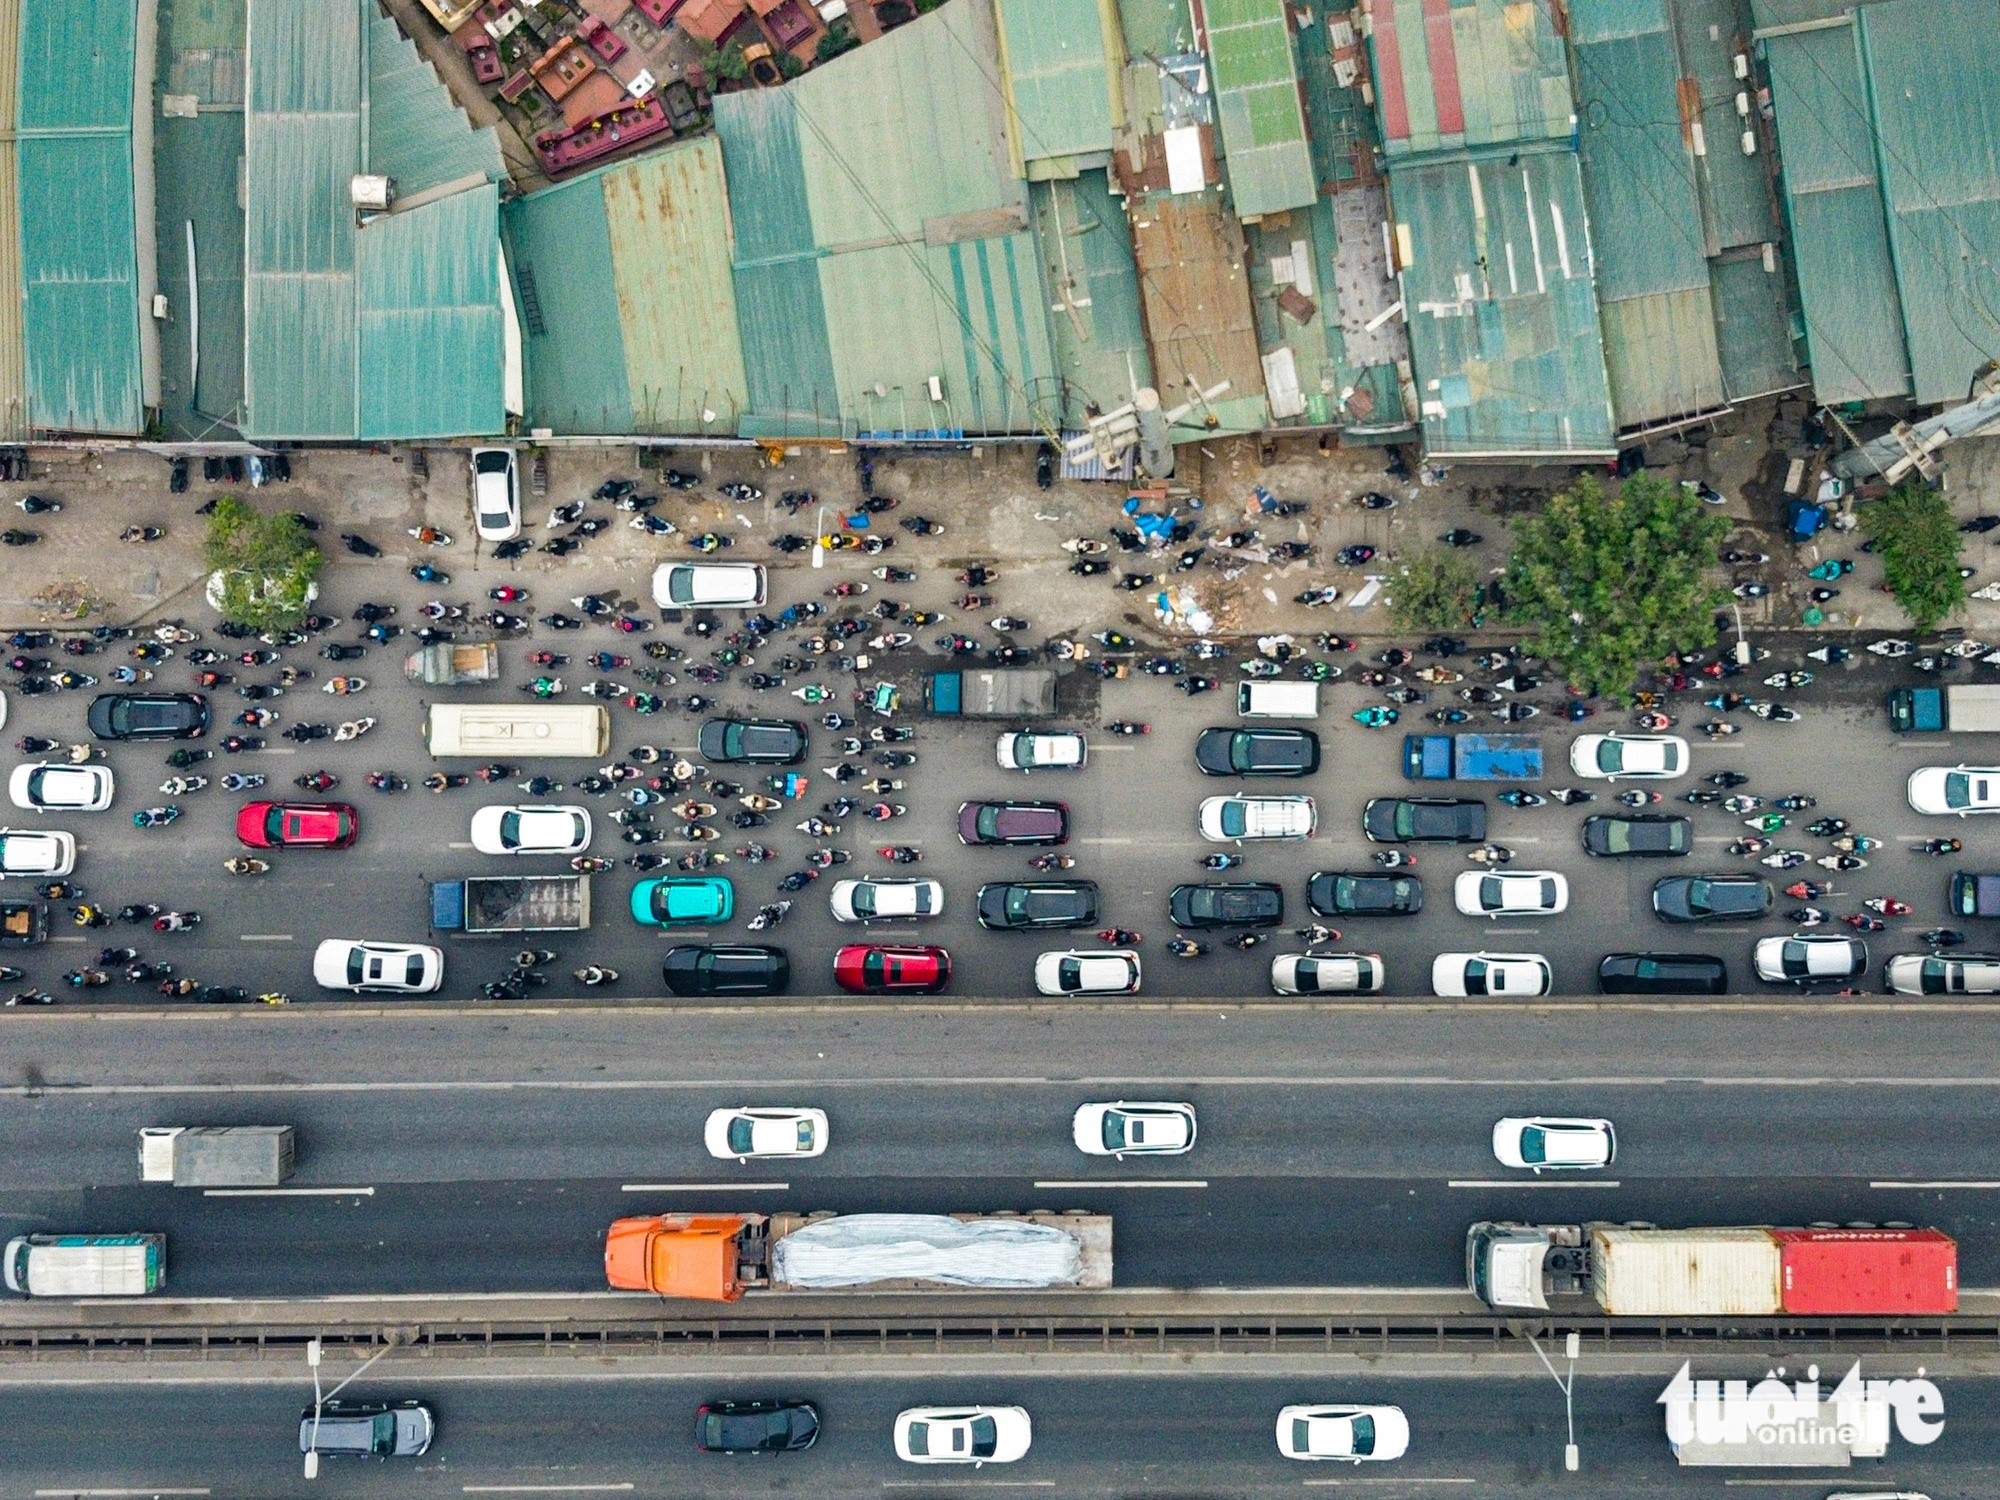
(1481, 73)
(77, 205)
(1057, 75)
(1503, 321)
(1932, 69)
(416, 134)
(1753, 328)
(1100, 340)
(559, 250)
(868, 257)
(1257, 105)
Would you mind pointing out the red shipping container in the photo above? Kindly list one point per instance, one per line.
(1886, 1272)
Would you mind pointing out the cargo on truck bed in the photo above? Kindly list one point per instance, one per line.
(1472, 757)
(482, 904)
(217, 1156)
(991, 693)
(1973, 708)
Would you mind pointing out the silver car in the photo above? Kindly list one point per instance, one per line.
(368, 1429)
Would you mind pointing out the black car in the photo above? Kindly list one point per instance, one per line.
(726, 969)
(1246, 903)
(756, 1426)
(1662, 974)
(763, 742)
(1424, 820)
(1339, 893)
(1257, 752)
(1711, 898)
(1027, 905)
(1645, 834)
(148, 716)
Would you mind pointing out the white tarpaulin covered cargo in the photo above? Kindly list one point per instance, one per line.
(856, 1249)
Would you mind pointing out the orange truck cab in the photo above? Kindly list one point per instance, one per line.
(703, 1257)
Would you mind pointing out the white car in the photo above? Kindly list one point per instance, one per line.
(1097, 971)
(1629, 757)
(1507, 974)
(690, 585)
(1225, 820)
(1806, 956)
(1549, 1142)
(963, 1434)
(746, 1133)
(1353, 1434)
(1041, 750)
(1124, 1129)
(46, 786)
(496, 494)
(40, 852)
(1955, 789)
(398, 968)
(1943, 974)
(1511, 893)
(531, 830)
(886, 900)
(1327, 973)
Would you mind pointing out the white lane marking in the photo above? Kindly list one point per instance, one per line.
(297, 1192)
(1532, 1182)
(705, 1187)
(1086, 1184)
(263, 937)
(149, 1490)
(69, 940)
(1311, 1482)
(968, 1484)
(1974, 1186)
(1129, 841)
(1511, 931)
(466, 845)
(541, 1489)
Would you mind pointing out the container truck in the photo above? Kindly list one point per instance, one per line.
(991, 693)
(1751, 1272)
(481, 905)
(85, 1265)
(1974, 709)
(217, 1156)
(1472, 757)
(453, 663)
(718, 1257)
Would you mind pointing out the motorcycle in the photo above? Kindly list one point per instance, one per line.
(245, 866)
(1448, 716)
(1375, 717)
(1182, 947)
(1856, 843)
(1826, 828)
(1438, 676)
(1260, 667)
(1740, 559)
(176, 921)
(1751, 590)
(1742, 804)
(893, 575)
(1786, 859)
(1806, 916)
(1084, 547)
(737, 490)
(1517, 797)
(181, 786)
(1942, 937)
(1458, 536)
(429, 573)
(238, 781)
(1490, 855)
(1053, 862)
(1891, 647)
(1128, 726)
(386, 781)
(430, 536)
(1788, 679)
(1841, 862)
(1888, 906)
(1354, 556)
(155, 817)
(1938, 846)
(1862, 923)
(1719, 728)
(1514, 713)
(1832, 568)
(881, 812)
(1831, 655)
(1698, 798)
(353, 729)
(1747, 846)
(543, 687)
(1638, 798)
(344, 686)
(1777, 713)
(770, 915)
(1569, 795)
(1220, 861)
(1392, 859)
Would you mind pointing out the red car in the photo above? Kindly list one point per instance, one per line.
(1013, 823)
(879, 968)
(297, 825)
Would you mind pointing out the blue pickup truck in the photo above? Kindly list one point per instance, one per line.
(1472, 757)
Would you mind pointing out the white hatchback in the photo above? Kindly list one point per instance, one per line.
(746, 1133)
(886, 900)
(1511, 893)
(687, 585)
(1542, 1143)
(531, 830)
(1326, 974)
(963, 1434)
(43, 852)
(1097, 971)
(1955, 789)
(1041, 750)
(496, 494)
(1629, 757)
(51, 786)
(394, 968)
(1125, 1129)
(1355, 1434)
(1225, 820)
(1507, 974)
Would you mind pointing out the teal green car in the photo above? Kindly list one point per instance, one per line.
(691, 901)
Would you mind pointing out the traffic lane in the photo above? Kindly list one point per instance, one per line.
(1330, 1130)
(1095, 1436)
(1185, 1233)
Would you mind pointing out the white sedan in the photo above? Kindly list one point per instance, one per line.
(963, 1434)
(36, 852)
(1511, 893)
(496, 494)
(1549, 1142)
(1955, 789)
(46, 786)
(1041, 750)
(1353, 1434)
(1224, 820)
(1629, 757)
(397, 968)
(709, 585)
(1326, 973)
(746, 1133)
(1125, 1129)
(886, 900)
(1507, 974)
(1098, 971)
(1806, 956)
(531, 830)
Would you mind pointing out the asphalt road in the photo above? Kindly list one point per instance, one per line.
(1133, 807)
(1129, 1437)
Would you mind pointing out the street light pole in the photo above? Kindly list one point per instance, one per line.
(819, 539)
(1573, 1348)
(313, 1353)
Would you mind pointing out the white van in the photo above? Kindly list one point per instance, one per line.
(85, 1265)
(506, 730)
(1277, 700)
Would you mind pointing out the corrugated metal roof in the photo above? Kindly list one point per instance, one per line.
(1752, 328)
(1061, 61)
(430, 324)
(1736, 190)
(13, 338)
(1257, 105)
(1482, 73)
(1197, 296)
(1087, 264)
(1660, 356)
(559, 251)
(1933, 74)
(1840, 242)
(77, 205)
(1504, 335)
(416, 134)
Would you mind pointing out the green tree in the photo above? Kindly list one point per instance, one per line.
(1435, 590)
(1608, 585)
(263, 567)
(1914, 530)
